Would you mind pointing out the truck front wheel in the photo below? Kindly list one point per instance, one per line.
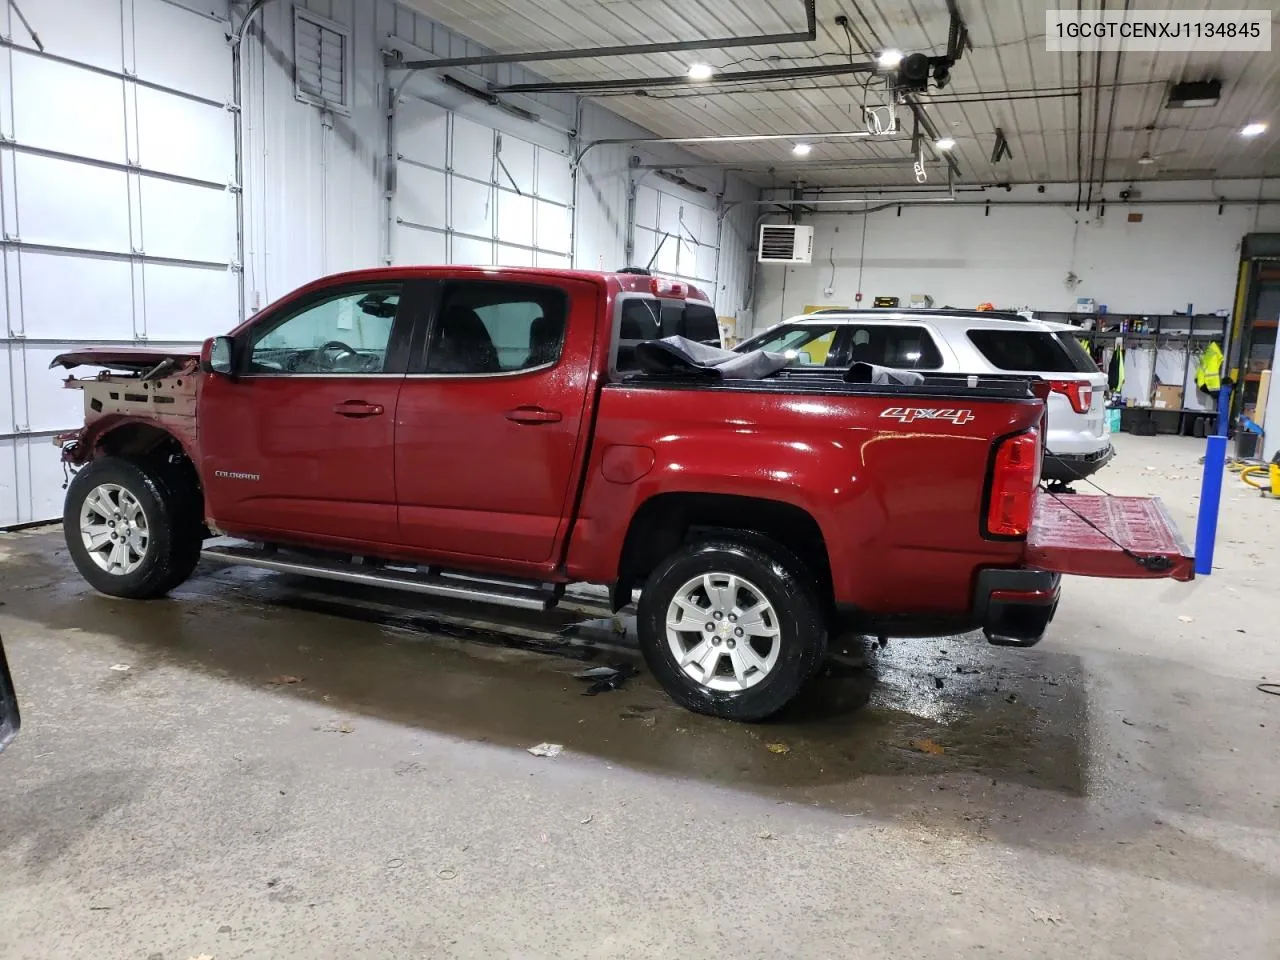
(129, 528)
(732, 627)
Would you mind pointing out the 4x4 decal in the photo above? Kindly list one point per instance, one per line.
(912, 414)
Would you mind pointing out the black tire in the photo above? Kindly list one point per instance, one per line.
(782, 578)
(173, 544)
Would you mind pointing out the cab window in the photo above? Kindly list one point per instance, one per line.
(345, 333)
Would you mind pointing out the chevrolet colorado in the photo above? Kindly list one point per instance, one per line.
(495, 434)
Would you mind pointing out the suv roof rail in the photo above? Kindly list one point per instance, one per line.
(924, 312)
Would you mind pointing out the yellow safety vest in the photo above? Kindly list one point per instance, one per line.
(1209, 368)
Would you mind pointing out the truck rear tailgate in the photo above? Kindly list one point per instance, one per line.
(1123, 537)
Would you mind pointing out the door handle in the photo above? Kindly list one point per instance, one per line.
(533, 415)
(357, 408)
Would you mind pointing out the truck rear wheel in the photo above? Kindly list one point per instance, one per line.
(732, 627)
(130, 528)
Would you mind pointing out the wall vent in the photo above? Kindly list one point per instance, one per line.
(785, 243)
(321, 62)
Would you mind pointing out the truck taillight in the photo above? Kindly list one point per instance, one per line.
(1015, 474)
(1079, 392)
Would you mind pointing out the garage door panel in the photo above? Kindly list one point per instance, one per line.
(185, 222)
(644, 246)
(11, 370)
(420, 195)
(706, 264)
(62, 203)
(68, 297)
(44, 467)
(517, 157)
(84, 32)
(471, 252)
(668, 255)
(514, 256)
(422, 133)
(647, 207)
(421, 246)
(472, 208)
(188, 304)
(668, 214)
(552, 260)
(198, 65)
(515, 218)
(553, 227)
(49, 405)
(555, 179)
(701, 223)
(8, 483)
(472, 149)
(185, 138)
(68, 110)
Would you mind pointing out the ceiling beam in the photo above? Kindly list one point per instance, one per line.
(808, 35)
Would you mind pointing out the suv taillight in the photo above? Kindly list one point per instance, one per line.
(1015, 474)
(1079, 392)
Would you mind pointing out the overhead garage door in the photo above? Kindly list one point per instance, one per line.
(467, 193)
(119, 223)
(681, 228)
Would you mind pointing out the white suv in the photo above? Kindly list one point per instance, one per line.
(964, 342)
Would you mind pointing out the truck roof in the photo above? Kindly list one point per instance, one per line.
(619, 280)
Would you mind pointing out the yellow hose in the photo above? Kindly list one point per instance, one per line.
(1261, 472)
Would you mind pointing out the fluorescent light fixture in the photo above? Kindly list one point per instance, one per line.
(945, 143)
(701, 71)
(1253, 129)
(802, 149)
(889, 59)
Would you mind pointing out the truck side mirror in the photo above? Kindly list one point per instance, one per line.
(215, 356)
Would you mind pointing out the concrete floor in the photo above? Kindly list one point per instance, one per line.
(1114, 792)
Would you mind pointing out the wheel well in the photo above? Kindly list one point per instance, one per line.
(142, 442)
(668, 520)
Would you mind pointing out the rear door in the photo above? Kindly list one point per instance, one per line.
(491, 419)
(1117, 537)
(1076, 405)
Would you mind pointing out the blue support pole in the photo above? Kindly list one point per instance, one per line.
(1224, 409)
(1215, 463)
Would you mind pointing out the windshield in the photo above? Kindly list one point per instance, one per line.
(808, 343)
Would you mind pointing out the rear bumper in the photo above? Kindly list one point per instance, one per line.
(1014, 607)
(1065, 467)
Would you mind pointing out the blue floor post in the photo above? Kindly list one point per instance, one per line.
(1215, 462)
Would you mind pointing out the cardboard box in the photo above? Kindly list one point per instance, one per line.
(1167, 398)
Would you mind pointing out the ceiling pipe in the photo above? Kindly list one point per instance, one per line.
(808, 35)
(914, 201)
(627, 84)
(732, 138)
(782, 164)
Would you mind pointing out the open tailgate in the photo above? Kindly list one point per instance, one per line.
(1120, 537)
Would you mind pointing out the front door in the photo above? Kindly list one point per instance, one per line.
(300, 443)
(490, 422)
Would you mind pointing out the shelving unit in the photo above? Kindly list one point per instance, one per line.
(1151, 331)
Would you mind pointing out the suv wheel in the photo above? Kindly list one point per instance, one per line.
(732, 627)
(129, 529)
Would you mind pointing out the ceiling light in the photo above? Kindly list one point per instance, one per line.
(1253, 129)
(802, 149)
(945, 143)
(701, 71)
(890, 59)
(1195, 94)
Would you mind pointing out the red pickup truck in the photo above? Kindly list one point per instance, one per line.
(495, 434)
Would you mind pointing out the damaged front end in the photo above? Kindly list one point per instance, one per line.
(152, 391)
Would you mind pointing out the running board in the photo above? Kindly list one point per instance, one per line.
(524, 594)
